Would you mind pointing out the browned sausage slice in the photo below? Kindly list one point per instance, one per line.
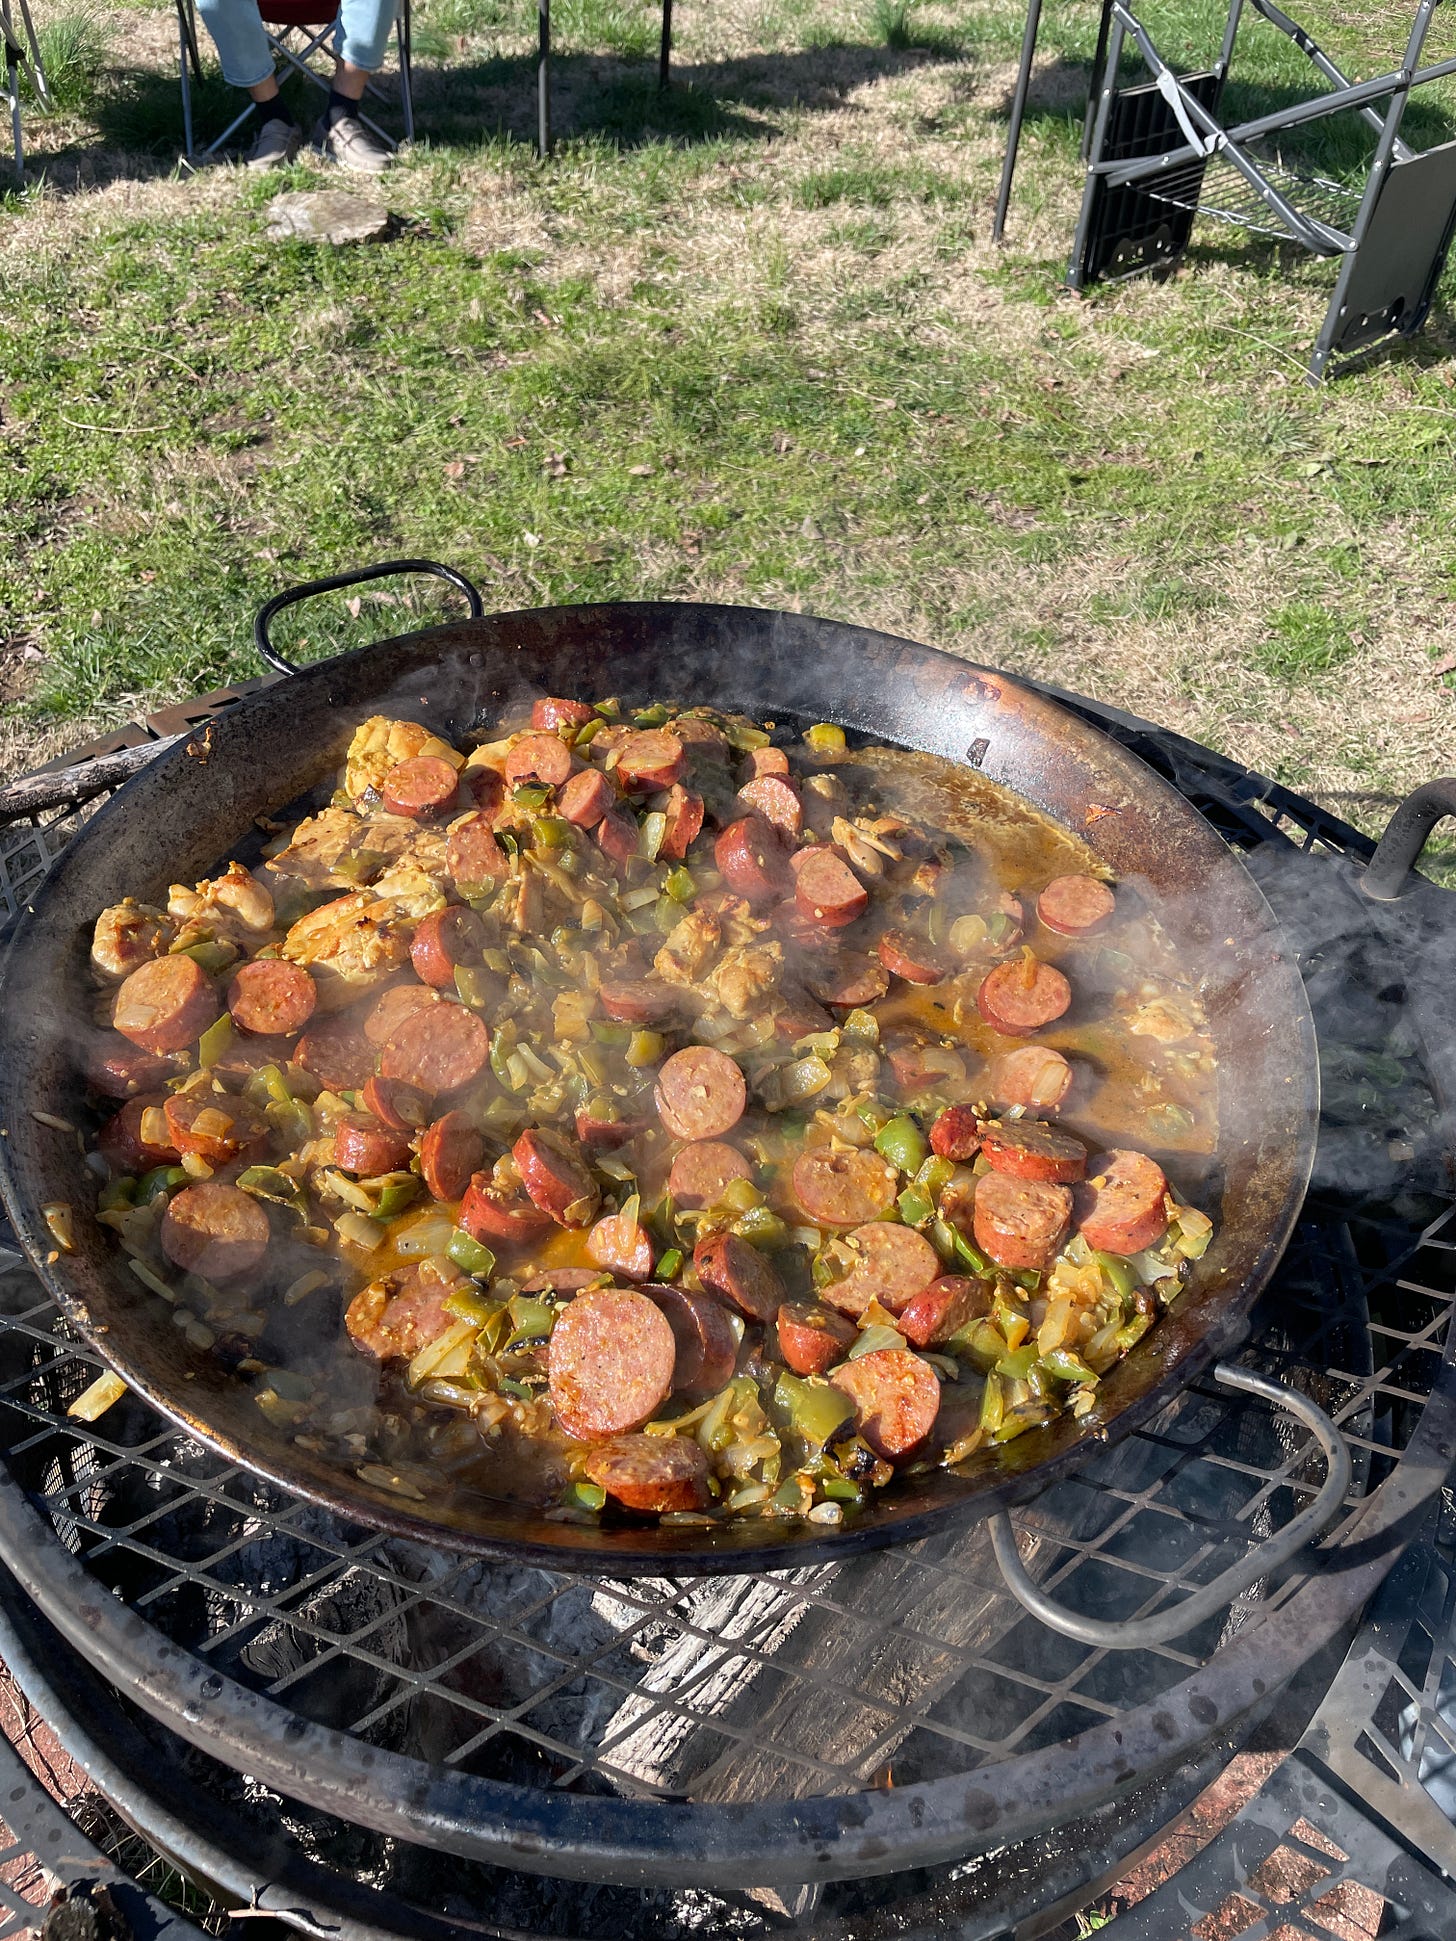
(272, 997)
(451, 1153)
(652, 1473)
(1120, 1208)
(559, 1280)
(906, 956)
(363, 1146)
(423, 786)
(1027, 1149)
(400, 1313)
(764, 761)
(896, 1399)
(552, 712)
(849, 980)
(393, 1103)
(586, 798)
(733, 1267)
(121, 1144)
(752, 860)
(650, 758)
(474, 860)
(1075, 905)
(218, 1128)
(118, 1069)
(843, 1189)
(944, 1308)
(891, 1264)
(707, 1347)
(440, 1050)
(684, 812)
(1021, 1222)
(338, 1054)
(600, 1134)
(700, 1093)
(703, 1172)
(812, 1338)
(165, 1004)
(556, 1178)
(497, 1218)
(538, 758)
(1033, 1076)
(444, 939)
(622, 1246)
(1022, 996)
(611, 1360)
(638, 1000)
(617, 836)
(391, 1009)
(215, 1230)
(827, 890)
(776, 800)
(956, 1133)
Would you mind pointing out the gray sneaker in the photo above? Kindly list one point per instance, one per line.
(351, 145)
(276, 145)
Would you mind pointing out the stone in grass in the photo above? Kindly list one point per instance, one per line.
(326, 216)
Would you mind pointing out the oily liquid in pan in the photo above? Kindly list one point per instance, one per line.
(1111, 1106)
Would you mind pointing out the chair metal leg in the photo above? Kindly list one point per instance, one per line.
(543, 79)
(1104, 84)
(12, 83)
(183, 65)
(1018, 115)
(664, 57)
(403, 35)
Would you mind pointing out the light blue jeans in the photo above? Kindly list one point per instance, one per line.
(360, 37)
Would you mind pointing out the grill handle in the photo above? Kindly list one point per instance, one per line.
(387, 569)
(1406, 833)
(1136, 1634)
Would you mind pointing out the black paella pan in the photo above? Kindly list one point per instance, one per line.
(193, 808)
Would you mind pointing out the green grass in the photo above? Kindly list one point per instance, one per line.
(73, 50)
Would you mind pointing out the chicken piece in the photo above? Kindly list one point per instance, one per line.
(126, 935)
(824, 796)
(491, 755)
(689, 949)
(351, 945)
(234, 907)
(745, 976)
(380, 744)
(409, 890)
(1162, 1020)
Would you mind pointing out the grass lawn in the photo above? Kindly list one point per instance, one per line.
(749, 341)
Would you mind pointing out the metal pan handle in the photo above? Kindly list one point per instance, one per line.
(387, 569)
(1387, 873)
(1137, 1633)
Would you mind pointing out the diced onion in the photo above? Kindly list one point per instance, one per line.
(60, 1217)
(92, 1402)
(359, 1231)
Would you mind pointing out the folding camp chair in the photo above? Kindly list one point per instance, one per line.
(543, 68)
(20, 53)
(1157, 155)
(297, 30)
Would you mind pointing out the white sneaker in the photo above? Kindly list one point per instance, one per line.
(351, 145)
(276, 145)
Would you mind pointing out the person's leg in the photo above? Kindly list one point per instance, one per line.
(360, 40)
(247, 62)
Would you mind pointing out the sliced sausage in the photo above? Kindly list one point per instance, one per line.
(1027, 1149)
(272, 997)
(700, 1093)
(215, 1127)
(404, 1311)
(896, 1399)
(956, 1133)
(703, 1172)
(538, 758)
(559, 1280)
(166, 1004)
(764, 761)
(638, 1000)
(443, 939)
(1021, 1222)
(812, 1337)
(426, 785)
(796, 1015)
(393, 1103)
(121, 1144)
(363, 1146)
(617, 836)
(485, 788)
(118, 1069)
(1120, 1208)
(599, 1134)
(586, 798)
(803, 932)
(611, 1360)
(752, 859)
(1074, 906)
(733, 1267)
(556, 1178)
(1022, 996)
(497, 1217)
(451, 1153)
(622, 1246)
(694, 732)
(338, 1054)
(684, 812)
(440, 1050)
(843, 1189)
(1033, 1076)
(906, 956)
(707, 1347)
(652, 1473)
(650, 758)
(776, 800)
(552, 712)
(849, 980)
(215, 1230)
(827, 890)
(246, 1055)
(474, 860)
(891, 1265)
(392, 1008)
(945, 1307)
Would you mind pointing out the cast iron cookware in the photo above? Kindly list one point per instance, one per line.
(195, 807)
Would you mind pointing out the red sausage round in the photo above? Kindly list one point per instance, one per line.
(474, 860)
(944, 1308)
(733, 1267)
(703, 1172)
(611, 1360)
(843, 1189)
(1074, 906)
(121, 1144)
(451, 1152)
(621, 1246)
(393, 1103)
(1027, 1149)
(617, 835)
(700, 1093)
(812, 1338)
(776, 800)
(556, 1178)
(1033, 1076)
(906, 956)
(707, 1347)
(215, 1230)
(650, 758)
(652, 1473)
(1120, 1207)
(956, 1133)
(684, 812)
(605, 1135)
(118, 1069)
(497, 1218)
(764, 761)
(827, 890)
(362, 1145)
(1022, 996)
(216, 1127)
(752, 859)
(392, 1007)
(849, 980)
(424, 786)
(638, 1000)
(338, 1054)
(896, 1399)
(538, 758)
(272, 997)
(165, 1004)
(892, 1264)
(443, 939)
(552, 712)
(1020, 1222)
(586, 798)
(440, 1050)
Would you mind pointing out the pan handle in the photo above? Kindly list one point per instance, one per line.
(385, 570)
(1136, 1634)
(1387, 873)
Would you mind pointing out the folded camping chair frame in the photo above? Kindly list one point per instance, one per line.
(1157, 154)
(22, 50)
(295, 34)
(543, 68)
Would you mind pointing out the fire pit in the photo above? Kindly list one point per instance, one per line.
(839, 1746)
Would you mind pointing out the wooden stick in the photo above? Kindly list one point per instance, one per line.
(57, 787)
